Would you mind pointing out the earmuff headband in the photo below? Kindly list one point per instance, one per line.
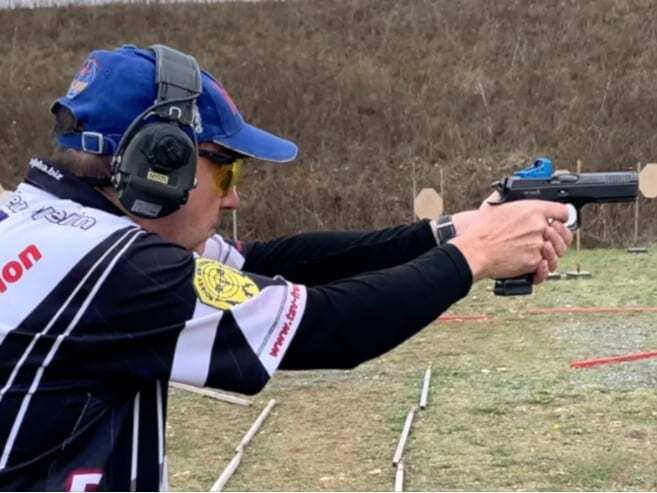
(154, 165)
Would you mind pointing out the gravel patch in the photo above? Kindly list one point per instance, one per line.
(601, 336)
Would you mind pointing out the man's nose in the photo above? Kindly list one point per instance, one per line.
(231, 200)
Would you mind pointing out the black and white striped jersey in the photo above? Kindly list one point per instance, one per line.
(97, 315)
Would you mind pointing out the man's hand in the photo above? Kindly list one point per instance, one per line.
(508, 240)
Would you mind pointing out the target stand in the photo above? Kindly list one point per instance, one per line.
(579, 274)
(648, 188)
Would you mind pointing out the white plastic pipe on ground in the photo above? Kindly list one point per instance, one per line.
(235, 462)
(227, 473)
(424, 397)
(256, 426)
(404, 436)
(211, 393)
(399, 477)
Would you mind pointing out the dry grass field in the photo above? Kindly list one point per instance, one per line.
(368, 87)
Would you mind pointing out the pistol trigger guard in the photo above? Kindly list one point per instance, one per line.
(573, 217)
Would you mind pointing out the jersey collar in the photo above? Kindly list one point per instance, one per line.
(47, 176)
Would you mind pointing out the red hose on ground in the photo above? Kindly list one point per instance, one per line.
(589, 363)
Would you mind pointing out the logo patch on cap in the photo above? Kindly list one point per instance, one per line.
(83, 78)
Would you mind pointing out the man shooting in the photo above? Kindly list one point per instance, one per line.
(113, 280)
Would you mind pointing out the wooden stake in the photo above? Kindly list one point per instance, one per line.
(413, 190)
(227, 473)
(255, 426)
(442, 183)
(425, 388)
(220, 396)
(579, 171)
(399, 477)
(578, 273)
(404, 436)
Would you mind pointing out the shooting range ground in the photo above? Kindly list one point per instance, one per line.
(507, 411)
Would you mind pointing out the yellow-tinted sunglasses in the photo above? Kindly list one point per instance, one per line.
(227, 171)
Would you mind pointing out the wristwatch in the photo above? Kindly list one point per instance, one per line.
(443, 229)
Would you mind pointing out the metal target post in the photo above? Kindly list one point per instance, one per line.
(636, 210)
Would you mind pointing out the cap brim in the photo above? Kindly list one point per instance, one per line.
(259, 144)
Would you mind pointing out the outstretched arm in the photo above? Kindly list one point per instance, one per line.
(322, 257)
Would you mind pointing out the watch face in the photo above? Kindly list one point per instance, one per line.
(445, 229)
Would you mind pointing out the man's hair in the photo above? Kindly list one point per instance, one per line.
(82, 164)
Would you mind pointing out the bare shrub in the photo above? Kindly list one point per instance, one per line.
(367, 87)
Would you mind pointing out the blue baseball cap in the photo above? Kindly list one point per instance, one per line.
(114, 87)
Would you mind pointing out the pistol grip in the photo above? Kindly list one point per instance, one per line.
(516, 286)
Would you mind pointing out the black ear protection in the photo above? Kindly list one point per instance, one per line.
(154, 165)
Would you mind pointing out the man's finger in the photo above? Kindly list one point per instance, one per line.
(542, 272)
(550, 256)
(563, 231)
(554, 210)
(555, 240)
(493, 198)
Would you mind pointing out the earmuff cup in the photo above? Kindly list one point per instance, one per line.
(157, 170)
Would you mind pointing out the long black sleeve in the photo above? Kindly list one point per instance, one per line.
(351, 321)
(318, 258)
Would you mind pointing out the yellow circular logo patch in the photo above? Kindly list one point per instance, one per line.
(221, 286)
